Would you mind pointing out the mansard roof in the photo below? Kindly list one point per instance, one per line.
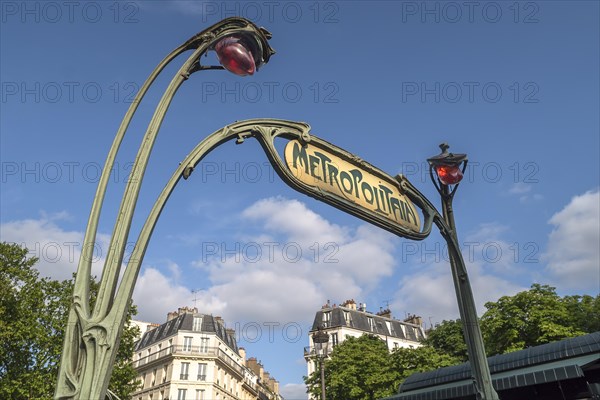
(184, 322)
(359, 320)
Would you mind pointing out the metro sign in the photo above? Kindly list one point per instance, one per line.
(360, 187)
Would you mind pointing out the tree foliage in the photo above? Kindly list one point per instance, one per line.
(33, 314)
(448, 338)
(529, 318)
(363, 369)
(358, 369)
(535, 317)
(408, 361)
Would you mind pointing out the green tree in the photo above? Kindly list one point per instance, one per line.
(584, 311)
(359, 369)
(408, 361)
(448, 338)
(33, 314)
(530, 318)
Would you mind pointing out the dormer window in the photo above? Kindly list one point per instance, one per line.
(197, 326)
(326, 319)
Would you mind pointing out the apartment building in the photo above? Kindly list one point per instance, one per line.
(193, 356)
(350, 320)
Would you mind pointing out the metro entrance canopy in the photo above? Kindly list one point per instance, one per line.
(314, 167)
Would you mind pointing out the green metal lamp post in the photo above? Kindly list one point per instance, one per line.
(321, 341)
(92, 335)
(446, 171)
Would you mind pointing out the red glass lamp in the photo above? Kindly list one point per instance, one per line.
(448, 167)
(235, 55)
(449, 174)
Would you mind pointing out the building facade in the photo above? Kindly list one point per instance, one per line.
(193, 356)
(350, 320)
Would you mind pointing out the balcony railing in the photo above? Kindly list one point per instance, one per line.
(311, 352)
(231, 362)
(176, 350)
(183, 377)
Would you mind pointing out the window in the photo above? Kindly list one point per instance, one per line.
(153, 377)
(371, 323)
(334, 339)
(348, 318)
(326, 319)
(181, 394)
(201, 371)
(187, 343)
(165, 368)
(185, 367)
(203, 345)
(199, 394)
(197, 326)
(390, 328)
(143, 380)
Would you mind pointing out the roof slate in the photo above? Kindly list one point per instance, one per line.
(360, 320)
(184, 322)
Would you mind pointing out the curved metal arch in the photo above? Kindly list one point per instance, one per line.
(265, 131)
(92, 336)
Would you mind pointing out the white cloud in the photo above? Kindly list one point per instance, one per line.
(296, 262)
(291, 217)
(573, 253)
(525, 193)
(58, 250)
(429, 290)
(519, 188)
(294, 391)
(156, 294)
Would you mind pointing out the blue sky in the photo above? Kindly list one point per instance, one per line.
(515, 85)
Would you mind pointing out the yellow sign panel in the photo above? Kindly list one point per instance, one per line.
(316, 167)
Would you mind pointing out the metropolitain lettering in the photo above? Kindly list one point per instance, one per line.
(343, 179)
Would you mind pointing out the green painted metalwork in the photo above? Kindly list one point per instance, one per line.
(92, 335)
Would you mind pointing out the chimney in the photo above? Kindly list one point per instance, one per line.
(172, 315)
(414, 319)
(387, 313)
(256, 367)
(151, 326)
(274, 385)
(187, 310)
(253, 365)
(350, 304)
